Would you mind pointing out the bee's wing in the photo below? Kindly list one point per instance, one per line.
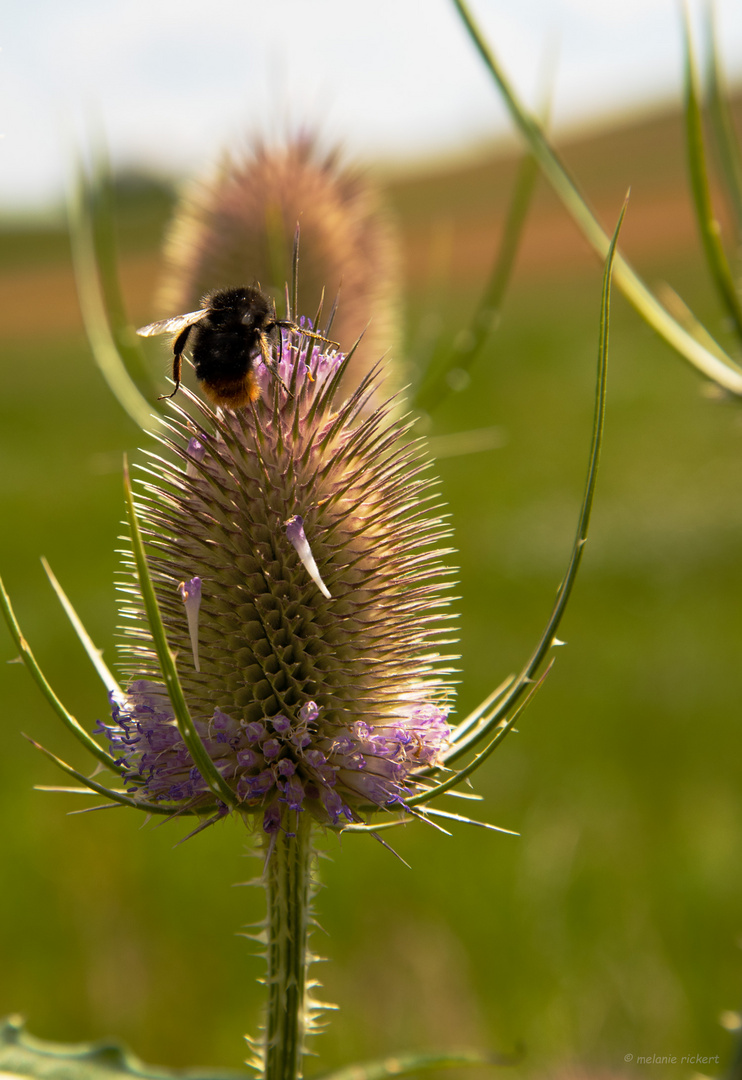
(172, 326)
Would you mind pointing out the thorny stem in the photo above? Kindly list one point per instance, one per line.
(289, 889)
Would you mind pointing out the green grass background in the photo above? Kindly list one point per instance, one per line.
(613, 925)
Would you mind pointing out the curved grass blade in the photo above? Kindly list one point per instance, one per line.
(682, 313)
(93, 309)
(100, 789)
(64, 790)
(100, 208)
(211, 775)
(503, 728)
(423, 815)
(433, 811)
(461, 443)
(410, 1064)
(493, 718)
(94, 655)
(40, 679)
(707, 222)
(727, 143)
(361, 827)
(476, 714)
(435, 385)
(725, 372)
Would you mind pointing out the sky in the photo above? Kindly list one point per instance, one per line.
(171, 83)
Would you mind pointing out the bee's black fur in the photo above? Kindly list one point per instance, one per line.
(227, 334)
(228, 340)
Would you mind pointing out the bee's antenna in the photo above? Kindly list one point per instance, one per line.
(318, 316)
(294, 313)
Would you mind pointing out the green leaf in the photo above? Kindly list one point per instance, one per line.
(707, 221)
(435, 385)
(102, 210)
(39, 678)
(723, 371)
(476, 715)
(94, 311)
(727, 144)
(468, 737)
(21, 1055)
(94, 655)
(449, 816)
(213, 778)
(503, 727)
(682, 313)
(99, 789)
(411, 1064)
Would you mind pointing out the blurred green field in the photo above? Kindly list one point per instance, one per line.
(613, 925)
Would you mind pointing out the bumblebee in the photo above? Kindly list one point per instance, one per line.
(227, 334)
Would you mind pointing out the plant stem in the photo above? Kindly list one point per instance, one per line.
(289, 888)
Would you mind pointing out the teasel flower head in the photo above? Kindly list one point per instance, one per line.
(237, 225)
(294, 548)
(286, 663)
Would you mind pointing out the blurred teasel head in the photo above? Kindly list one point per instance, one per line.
(238, 226)
(295, 552)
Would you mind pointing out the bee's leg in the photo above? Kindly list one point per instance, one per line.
(178, 346)
(280, 355)
(270, 363)
(274, 324)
